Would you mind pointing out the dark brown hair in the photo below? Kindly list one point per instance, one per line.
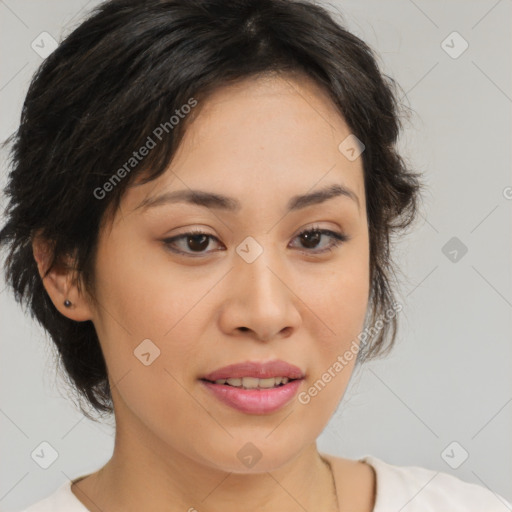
(129, 67)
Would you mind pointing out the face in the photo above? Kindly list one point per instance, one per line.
(255, 285)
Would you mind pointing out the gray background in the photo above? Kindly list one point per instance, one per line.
(449, 377)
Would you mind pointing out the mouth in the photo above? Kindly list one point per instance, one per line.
(253, 382)
(262, 371)
(253, 387)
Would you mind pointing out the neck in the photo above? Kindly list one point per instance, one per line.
(142, 468)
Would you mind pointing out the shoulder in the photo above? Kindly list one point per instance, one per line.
(415, 489)
(61, 500)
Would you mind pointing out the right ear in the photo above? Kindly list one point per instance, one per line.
(61, 282)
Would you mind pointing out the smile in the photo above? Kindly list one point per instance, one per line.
(254, 383)
(254, 399)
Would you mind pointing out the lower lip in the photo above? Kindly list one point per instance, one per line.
(255, 401)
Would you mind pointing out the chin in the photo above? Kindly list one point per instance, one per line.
(257, 454)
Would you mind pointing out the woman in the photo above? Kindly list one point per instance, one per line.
(201, 203)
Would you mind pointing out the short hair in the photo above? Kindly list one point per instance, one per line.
(133, 66)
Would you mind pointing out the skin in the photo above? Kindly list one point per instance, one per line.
(260, 141)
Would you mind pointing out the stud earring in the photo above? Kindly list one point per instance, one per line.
(67, 303)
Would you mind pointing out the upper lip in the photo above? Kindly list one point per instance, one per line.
(256, 369)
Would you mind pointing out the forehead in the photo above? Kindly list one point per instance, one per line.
(255, 111)
(260, 138)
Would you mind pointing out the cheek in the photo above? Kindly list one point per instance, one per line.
(141, 293)
(145, 300)
(351, 294)
(349, 301)
(339, 303)
(338, 297)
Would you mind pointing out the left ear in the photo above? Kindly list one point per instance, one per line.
(61, 283)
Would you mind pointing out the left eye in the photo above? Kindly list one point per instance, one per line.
(311, 237)
(198, 241)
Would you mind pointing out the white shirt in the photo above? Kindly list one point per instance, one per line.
(399, 488)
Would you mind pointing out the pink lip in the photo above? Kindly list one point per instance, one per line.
(254, 401)
(258, 370)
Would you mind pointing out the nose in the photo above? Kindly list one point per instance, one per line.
(260, 301)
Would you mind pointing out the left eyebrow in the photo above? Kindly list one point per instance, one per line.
(218, 201)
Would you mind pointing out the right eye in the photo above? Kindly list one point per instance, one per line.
(195, 241)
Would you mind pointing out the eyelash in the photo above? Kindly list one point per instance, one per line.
(337, 240)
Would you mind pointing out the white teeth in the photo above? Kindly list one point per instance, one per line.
(249, 382)
(267, 383)
(254, 383)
